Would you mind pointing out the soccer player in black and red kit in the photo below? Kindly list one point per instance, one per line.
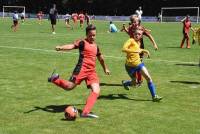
(85, 69)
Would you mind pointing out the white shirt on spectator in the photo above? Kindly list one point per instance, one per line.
(15, 16)
(139, 14)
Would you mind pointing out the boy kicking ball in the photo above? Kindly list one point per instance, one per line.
(84, 70)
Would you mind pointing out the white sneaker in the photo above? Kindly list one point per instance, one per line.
(53, 32)
(89, 115)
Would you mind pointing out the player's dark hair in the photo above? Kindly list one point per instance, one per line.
(89, 28)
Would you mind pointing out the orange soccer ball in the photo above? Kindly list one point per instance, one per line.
(71, 113)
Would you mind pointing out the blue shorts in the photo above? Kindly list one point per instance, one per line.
(132, 70)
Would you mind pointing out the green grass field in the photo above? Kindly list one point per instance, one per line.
(31, 105)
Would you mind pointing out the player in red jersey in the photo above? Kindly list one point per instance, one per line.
(40, 16)
(135, 24)
(81, 18)
(85, 69)
(75, 18)
(186, 29)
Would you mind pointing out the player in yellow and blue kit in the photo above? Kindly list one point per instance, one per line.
(133, 64)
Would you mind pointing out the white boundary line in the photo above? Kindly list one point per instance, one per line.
(106, 56)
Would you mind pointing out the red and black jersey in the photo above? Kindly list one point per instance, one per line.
(88, 53)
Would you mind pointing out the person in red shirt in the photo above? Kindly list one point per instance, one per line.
(186, 29)
(40, 16)
(85, 69)
(75, 18)
(81, 18)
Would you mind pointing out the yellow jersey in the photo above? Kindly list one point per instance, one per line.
(132, 49)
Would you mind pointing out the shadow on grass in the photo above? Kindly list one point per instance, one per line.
(119, 96)
(108, 84)
(52, 108)
(186, 64)
(174, 47)
(186, 82)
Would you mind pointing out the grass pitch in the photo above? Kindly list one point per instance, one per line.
(31, 105)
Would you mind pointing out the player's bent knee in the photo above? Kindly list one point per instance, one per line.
(148, 79)
(96, 90)
(70, 86)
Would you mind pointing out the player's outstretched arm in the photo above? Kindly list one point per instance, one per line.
(125, 28)
(104, 66)
(65, 47)
(153, 41)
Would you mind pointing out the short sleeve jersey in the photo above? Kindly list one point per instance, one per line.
(15, 17)
(186, 26)
(74, 16)
(88, 53)
(81, 16)
(132, 59)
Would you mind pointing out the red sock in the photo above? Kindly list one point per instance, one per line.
(139, 77)
(90, 102)
(182, 42)
(188, 43)
(62, 83)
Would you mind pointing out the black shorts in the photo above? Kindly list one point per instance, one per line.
(53, 19)
(22, 18)
(15, 22)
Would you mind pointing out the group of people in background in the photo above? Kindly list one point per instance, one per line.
(187, 25)
(15, 18)
(74, 16)
(81, 17)
(53, 16)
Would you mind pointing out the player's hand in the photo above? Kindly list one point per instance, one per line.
(107, 71)
(58, 48)
(156, 48)
(146, 53)
(124, 26)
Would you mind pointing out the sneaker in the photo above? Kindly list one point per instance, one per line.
(139, 83)
(53, 76)
(53, 32)
(188, 47)
(89, 115)
(125, 86)
(157, 98)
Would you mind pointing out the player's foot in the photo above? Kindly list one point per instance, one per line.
(139, 83)
(188, 47)
(89, 115)
(156, 98)
(53, 77)
(53, 32)
(125, 86)
(181, 46)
